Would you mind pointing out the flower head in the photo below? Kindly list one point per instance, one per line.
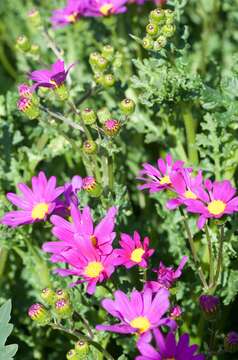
(138, 314)
(168, 348)
(36, 204)
(217, 200)
(159, 178)
(69, 14)
(133, 252)
(52, 78)
(166, 276)
(105, 7)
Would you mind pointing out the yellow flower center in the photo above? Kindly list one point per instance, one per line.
(93, 269)
(53, 82)
(165, 180)
(137, 254)
(190, 195)
(141, 323)
(93, 240)
(72, 18)
(39, 211)
(105, 9)
(216, 207)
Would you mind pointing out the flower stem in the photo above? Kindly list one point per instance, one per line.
(190, 128)
(220, 255)
(211, 260)
(193, 250)
(110, 172)
(85, 323)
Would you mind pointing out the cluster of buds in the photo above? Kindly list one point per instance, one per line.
(161, 27)
(80, 351)
(102, 66)
(23, 44)
(28, 102)
(57, 305)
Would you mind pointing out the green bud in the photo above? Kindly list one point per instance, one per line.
(101, 63)
(39, 314)
(63, 308)
(89, 117)
(99, 78)
(82, 349)
(72, 355)
(117, 63)
(148, 43)
(23, 43)
(92, 187)
(127, 106)
(62, 294)
(152, 29)
(34, 50)
(160, 43)
(103, 114)
(89, 147)
(48, 296)
(107, 52)
(168, 30)
(62, 92)
(108, 80)
(34, 18)
(28, 107)
(93, 58)
(157, 16)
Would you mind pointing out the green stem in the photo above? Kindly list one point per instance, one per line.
(193, 250)
(86, 324)
(6, 64)
(220, 255)
(3, 260)
(190, 128)
(110, 172)
(211, 260)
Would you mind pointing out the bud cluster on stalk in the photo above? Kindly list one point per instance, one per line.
(79, 352)
(24, 45)
(160, 28)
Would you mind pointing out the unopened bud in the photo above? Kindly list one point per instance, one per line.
(111, 127)
(148, 43)
(35, 49)
(157, 16)
(25, 91)
(89, 117)
(23, 43)
(91, 186)
(93, 58)
(99, 78)
(107, 52)
(176, 313)
(27, 106)
(152, 29)
(72, 355)
(34, 18)
(127, 106)
(231, 342)
(61, 91)
(103, 114)
(108, 80)
(160, 43)
(89, 147)
(210, 306)
(39, 314)
(63, 308)
(169, 14)
(82, 349)
(168, 30)
(48, 296)
(101, 63)
(62, 294)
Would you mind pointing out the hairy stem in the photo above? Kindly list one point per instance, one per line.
(211, 260)
(190, 128)
(220, 256)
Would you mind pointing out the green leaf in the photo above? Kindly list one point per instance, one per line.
(6, 351)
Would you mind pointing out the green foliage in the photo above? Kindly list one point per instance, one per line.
(7, 352)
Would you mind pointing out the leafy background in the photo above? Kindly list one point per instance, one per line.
(194, 81)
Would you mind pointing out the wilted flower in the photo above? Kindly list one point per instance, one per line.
(133, 251)
(159, 178)
(209, 305)
(168, 348)
(219, 199)
(231, 342)
(138, 314)
(166, 276)
(36, 204)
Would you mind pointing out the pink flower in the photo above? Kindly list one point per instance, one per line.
(69, 14)
(70, 195)
(105, 7)
(80, 230)
(159, 178)
(138, 314)
(166, 276)
(218, 200)
(36, 204)
(133, 251)
(176, 312)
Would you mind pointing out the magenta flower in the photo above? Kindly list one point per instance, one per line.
(69, 14)
(133, 251)
(71, 190)
(159, 178)
(168, 348)
(138, 314)
(25, 91)
(105, 7)
(166, 276)
(218, 200)
(52, 78)
(36, 204)
(176, 312)
(186, 187)
(81, 230)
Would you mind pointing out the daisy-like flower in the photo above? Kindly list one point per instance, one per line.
(72, 234)
(186, 187)
(133, 252)
(105, 7)
(166, 276)
(138, 314)
(218, 200)
(88, 264)
(159, 178)
(168, 348)
(69, 14)
(52, 78)
(36, 204)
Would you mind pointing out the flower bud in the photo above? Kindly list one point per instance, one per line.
(48, 296)
(63, 308)
(91, 186)
(111, 127)
(23, 43)
(108, 80)
(231, 342)
(168, 30)
(103, 114)
(89, 117)
(35, 49)
(82, 349)
(62, 294)
(34, 18)
(157, 16)
(101, 63)
(148, 43)
(176, 313)
(89, 147)
(93, 58)
(210, 306)
(39, 314)
(72, 355)
(99, 78)
(160, 43)
(61, 91)
(107, 52)
(152, 29)
(127, 106)
(25, 91)
(27, 106)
